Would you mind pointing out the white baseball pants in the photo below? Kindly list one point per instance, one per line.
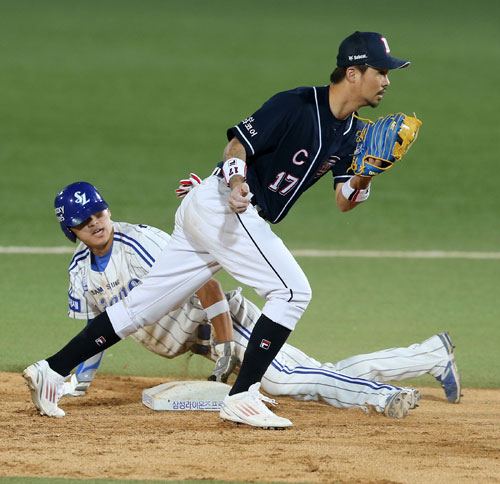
(208, 237)
(357, 381)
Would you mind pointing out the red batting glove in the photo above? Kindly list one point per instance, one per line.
(187, 184)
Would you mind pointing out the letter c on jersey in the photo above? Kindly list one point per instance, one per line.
(296, 160)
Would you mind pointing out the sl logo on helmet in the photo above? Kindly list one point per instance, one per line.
(81, 198)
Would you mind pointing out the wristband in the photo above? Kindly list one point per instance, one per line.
(217, 309)
(355, 194)
(234, 166)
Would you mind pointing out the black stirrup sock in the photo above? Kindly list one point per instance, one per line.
(94, 338)
(266, 340)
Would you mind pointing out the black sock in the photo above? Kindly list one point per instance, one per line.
(94, 338)
(266, 340)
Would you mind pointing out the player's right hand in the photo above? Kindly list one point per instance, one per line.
(239, 198)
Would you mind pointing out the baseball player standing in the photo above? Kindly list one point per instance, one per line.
(272, 157)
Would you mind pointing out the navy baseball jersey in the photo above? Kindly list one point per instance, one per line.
(291, 142)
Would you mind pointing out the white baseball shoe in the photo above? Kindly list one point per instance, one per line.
(398, 404)
(46, 387)
(248, 408)
(414, 397)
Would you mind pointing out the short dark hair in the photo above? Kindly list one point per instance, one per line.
(339, 73)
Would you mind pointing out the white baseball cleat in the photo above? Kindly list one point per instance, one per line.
(414, 397)
(248, 408)
(450, 379)
(46, 387)
(398, 404)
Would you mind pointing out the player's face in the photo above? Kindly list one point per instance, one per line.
(373, 85)
(96, 232)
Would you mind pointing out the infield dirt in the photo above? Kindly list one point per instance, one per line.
(110, 434)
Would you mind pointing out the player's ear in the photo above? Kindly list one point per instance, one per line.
(351, 74)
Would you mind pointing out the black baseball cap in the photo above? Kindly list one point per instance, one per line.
(368, 48)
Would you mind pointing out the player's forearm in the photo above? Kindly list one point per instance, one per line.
(360, 182)
(343, 204)
(357, 191)
(212, 299)
(234, 149)
(234, 171)
(223, 328)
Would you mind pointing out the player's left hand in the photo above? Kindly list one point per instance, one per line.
(385, 141)
(187, 184)
(226, 361)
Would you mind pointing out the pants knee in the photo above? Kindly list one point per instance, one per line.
(302, 297)
(286, 306)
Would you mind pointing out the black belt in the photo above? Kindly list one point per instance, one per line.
(262, 213)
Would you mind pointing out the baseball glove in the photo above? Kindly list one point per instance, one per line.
(387, 140)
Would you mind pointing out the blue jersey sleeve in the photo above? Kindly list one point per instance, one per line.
(262, 131)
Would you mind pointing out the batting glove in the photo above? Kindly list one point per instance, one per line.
(187, 184)
(74, 388)
(226, 361)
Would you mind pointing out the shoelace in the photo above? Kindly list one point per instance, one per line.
(258, 397)
(60, 392)
(59, 382)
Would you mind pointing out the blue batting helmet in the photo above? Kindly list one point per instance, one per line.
(76, 203)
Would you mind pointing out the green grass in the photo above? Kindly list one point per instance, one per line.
(358, 306)
(133, 95)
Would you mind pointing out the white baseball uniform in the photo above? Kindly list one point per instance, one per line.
(343, 384)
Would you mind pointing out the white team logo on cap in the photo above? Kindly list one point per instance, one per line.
(384, 40)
